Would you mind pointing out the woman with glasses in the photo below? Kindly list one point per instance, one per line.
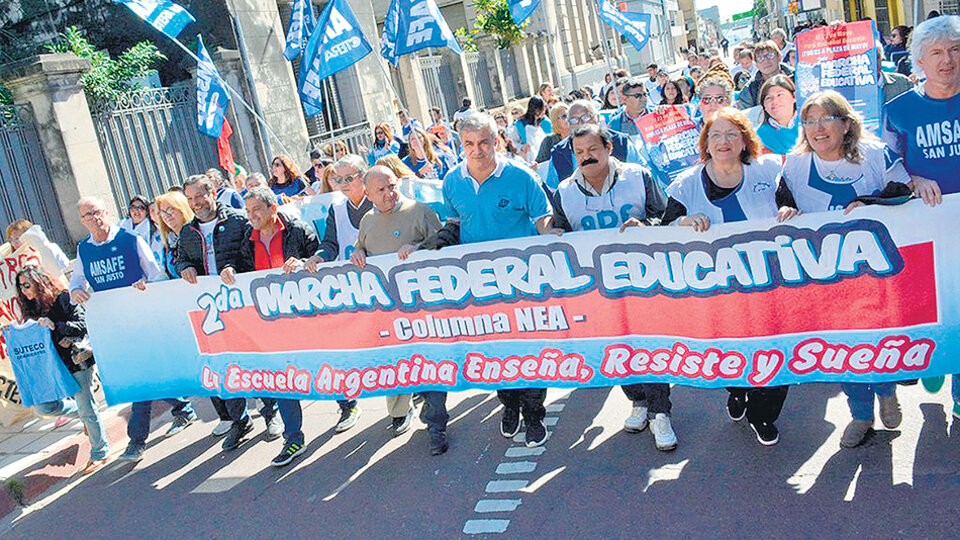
(733, 182)
(838, 165)
(137, 220)
(716, 92)
(174, 213)
(561, 129)
(43, 300)
(384, 143)
(426, 159)
(780, 128)
(285, 178)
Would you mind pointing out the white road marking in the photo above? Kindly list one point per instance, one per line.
(486, 506)
(485, 526)
(555, 407)
(505, 486)
(516, 467)
(550, 421)
(523, 451)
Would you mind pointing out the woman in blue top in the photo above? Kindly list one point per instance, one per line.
(285, 178)
(383, 143)
(779, 129)
(425, 159)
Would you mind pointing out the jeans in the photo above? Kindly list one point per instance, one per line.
(434, 411)
(236, 410)
(657, 396)
(860, 397)
(89, 415)
(138, 427)
(763, 404)
(292, 416)
(527, 400)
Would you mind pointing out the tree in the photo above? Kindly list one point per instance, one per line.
(494, 18)
(108, 78)
(759, 9)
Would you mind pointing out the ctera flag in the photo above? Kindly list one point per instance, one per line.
(337, 44)
(212, 94)
(412, 25)
(521, 10)
(300, 28)
(633, 26)
(163, 15)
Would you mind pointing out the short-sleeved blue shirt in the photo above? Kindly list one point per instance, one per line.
(926, 132)
(504, 206)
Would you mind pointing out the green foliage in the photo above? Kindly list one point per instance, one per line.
(16, 489)
(493, 17)
(108, 78)
(468, 41)
(6, 98)
(759, 9)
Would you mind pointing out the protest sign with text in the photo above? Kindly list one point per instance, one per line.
(872, 296)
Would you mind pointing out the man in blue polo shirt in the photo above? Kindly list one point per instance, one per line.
(111, 258)
(494, 198)
(562, 162)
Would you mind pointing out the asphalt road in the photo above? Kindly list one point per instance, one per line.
(591, 481)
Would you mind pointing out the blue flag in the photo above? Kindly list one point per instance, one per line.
(634, 26)
(521, 10)
(300, 28)
(212, 94)
(412, 25)
(163, 15)
(337, 44)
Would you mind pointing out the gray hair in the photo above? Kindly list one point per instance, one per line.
(351, 160)
(262, 194)
(216, 176)
(943, 28)
(587, 104)
(779, 32)
(259, 176)
(91, 200)
(479, 121)
(200, 180)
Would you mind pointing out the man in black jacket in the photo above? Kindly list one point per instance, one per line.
(276, 240)
(767, 56)
(209, 245)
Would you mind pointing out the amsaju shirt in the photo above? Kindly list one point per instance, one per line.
(926, 132)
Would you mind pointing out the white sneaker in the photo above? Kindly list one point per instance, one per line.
(637, 421)
(663, 433)
(222, 428)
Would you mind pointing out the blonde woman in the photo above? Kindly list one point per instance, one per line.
(174, 213)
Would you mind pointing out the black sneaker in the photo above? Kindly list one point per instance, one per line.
(736, 407)
(438, 443)
(402, 425)
(536, 433)
(767, 433)
(290, 451)
(510, 422)
(236, 434)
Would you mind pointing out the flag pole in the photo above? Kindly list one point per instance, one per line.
(606, 51)
(239, 98)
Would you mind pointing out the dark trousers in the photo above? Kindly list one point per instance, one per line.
(235, 409)
(763, 404)
(528, 401)
(657, 396)
(433, 412)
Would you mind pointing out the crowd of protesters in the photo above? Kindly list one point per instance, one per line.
(559, 163)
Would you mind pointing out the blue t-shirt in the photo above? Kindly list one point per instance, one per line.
(378, 152)
(41, 375)
(926, 132)
(437, 172)
(778, 139)
(290, 189)
(111, 265)
(504, 206)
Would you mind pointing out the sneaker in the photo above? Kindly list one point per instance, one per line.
(274, 428)
(510, 422)
(933, 384)
(663, 433)
(222, 428)
(536, 433)
(290, 451)
(132, 454)
(348, 419)
(890, 414)
(736, 407)
(438, 443)
(180, 423)
(94, 465)
(637, 421)
(855, 433)
(402, 425)
(236, 435)
(767, 433)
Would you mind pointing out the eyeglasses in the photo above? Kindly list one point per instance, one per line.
(638, 95)
(169, 212)
(713, 99)
(25, 286)
(767, 56)
(92, 214)
(343, 180)
(822, 121)
(577, 120)
(724, 135)
(563, 116)
(139, 207)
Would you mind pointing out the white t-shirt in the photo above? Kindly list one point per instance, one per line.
(211, 257)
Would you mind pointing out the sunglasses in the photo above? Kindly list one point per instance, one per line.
(139, 207)
(343, 180)
(25, 286)
(577, 120)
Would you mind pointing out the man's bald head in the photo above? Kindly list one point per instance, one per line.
(383, 187)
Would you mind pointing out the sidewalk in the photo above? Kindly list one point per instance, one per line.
(37, 455)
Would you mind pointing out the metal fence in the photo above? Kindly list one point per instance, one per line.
(26, 189)
(150, 141)
(353, 136)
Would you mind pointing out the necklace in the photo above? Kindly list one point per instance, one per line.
(831, 171)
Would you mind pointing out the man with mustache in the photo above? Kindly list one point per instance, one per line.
(604, 193)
